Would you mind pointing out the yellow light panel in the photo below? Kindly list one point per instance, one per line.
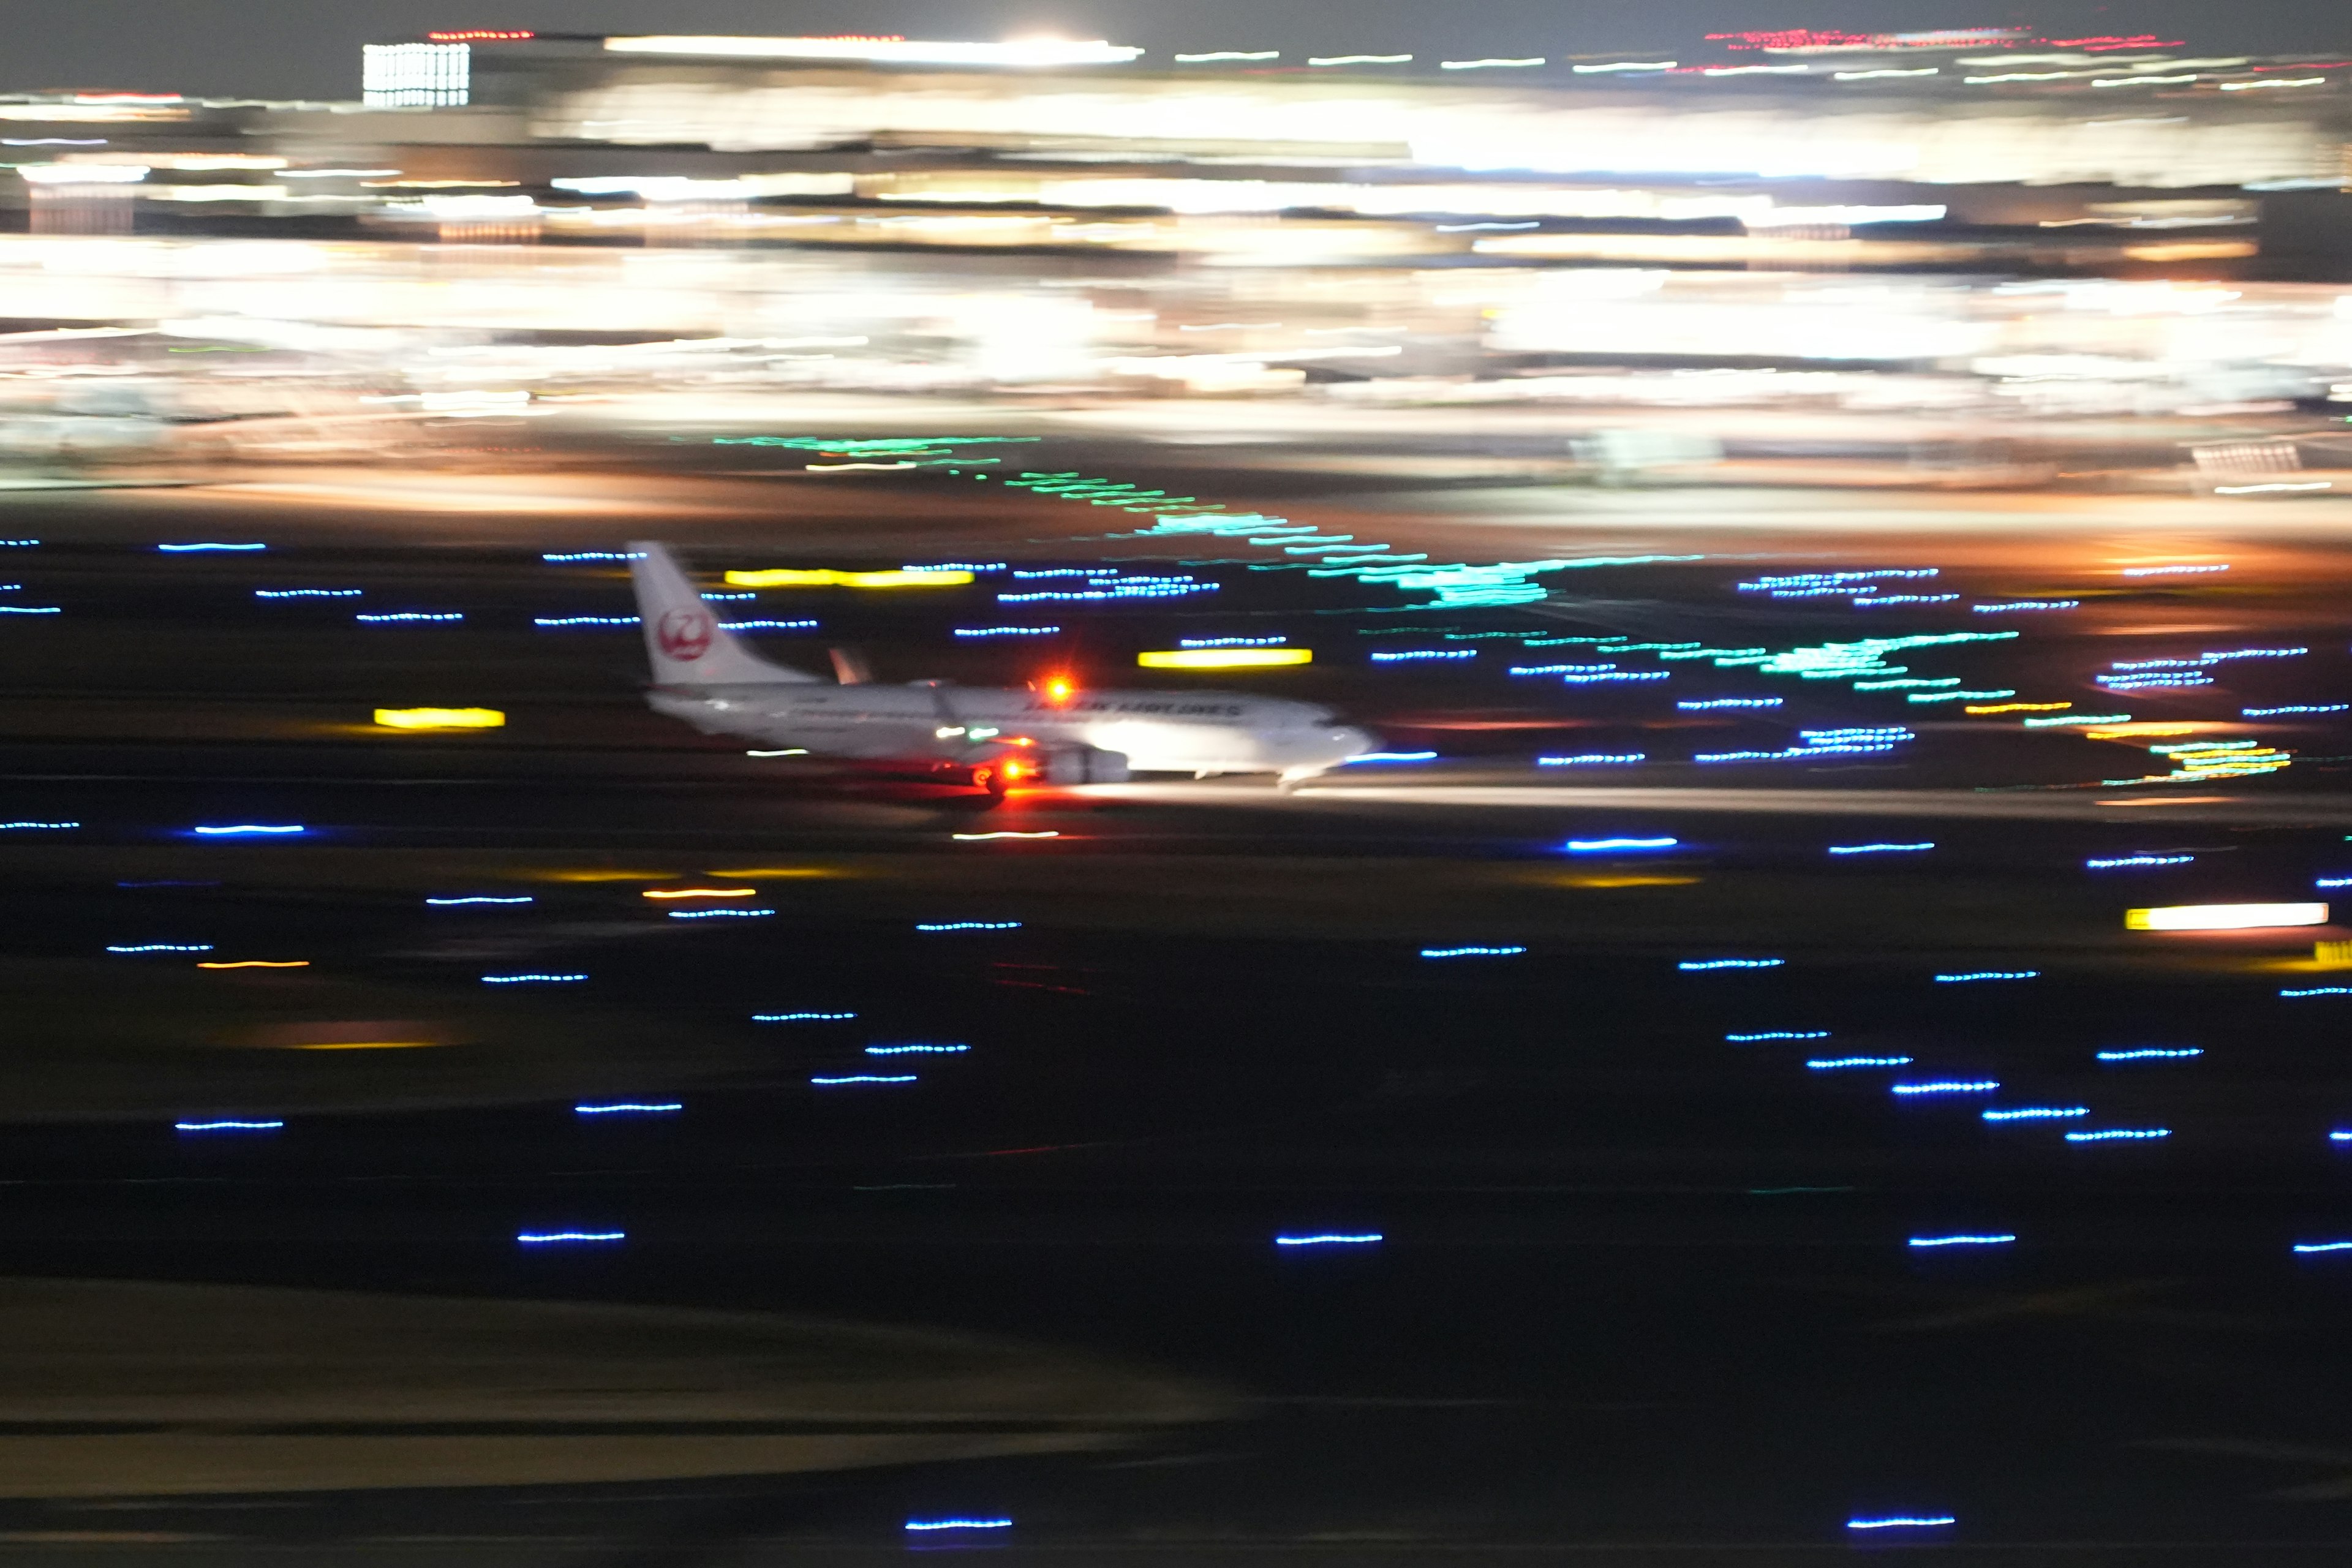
(440, 718)
(823, 578)
(2225, 917)
(1224, 657)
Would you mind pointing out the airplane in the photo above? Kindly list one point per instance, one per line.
(987, 737)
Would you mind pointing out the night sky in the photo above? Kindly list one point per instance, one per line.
(309, 48)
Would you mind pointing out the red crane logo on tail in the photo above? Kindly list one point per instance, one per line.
(684, 635)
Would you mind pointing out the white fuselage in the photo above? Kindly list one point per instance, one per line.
(1180, 732)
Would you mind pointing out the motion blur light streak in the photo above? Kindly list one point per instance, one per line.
(2114, 1134)
(2037, 1114)
(1700, 963)
(2225, 917)
(801, 1018)
(1236, 658)
(2319, 991)
(2322, 1247)
(1879, 848)
(1779, 1035)
(2151, 1053)
(530, 978)
(226, 1126)
(863, 1077)
(1332, 1238)
(42, 826)
(1836, 1064)
(1705, 704)
(1611, 846)
(1591, 758)
(164, 947)
(1947, 1086)
(256, 964)
(2119, 861)
(916, 1050)
(1903, 1521)
(2000, 1239)
(307, 593)
(923, 1524)
(400, 615)
(970, 925)
(1007, 833)
(189, 549)
(1988, 975)
(629, 1108)
(562, 1237)
(251, 829)
(481, 899)
(699, 893)
(440, 718)
(1472, 952)
(719, 914)
(1390, 757)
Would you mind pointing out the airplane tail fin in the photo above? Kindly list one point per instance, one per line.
(850, 668)
(684, 641)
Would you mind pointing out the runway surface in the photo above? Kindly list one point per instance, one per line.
(1603, 1050)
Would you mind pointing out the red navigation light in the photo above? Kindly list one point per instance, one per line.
(480, 34)
(1013, 771)
(1059, 689)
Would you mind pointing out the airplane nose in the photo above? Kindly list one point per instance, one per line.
(1350, 743)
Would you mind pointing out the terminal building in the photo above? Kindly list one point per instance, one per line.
(1951, 219)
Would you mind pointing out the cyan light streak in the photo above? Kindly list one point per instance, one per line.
(192, 549)
(630, 1107)
(252, 830)
(1778, 1035)
(1613, 846)
(531, 979)
(1472, 952)
(2151, 1053)
(480, 899)
(2036, 1114)
(1903, 1521)
(839, 1080)
(226, 1126)
(925, 1524)
(1332, 1238)
(1879, 849)
(968, 925)
(164, 947)
(2122, 861)
(1947, 1086)
(801, 1017)
(565, 1238)
(1592, 759)
(597, 555)
(916, 1050)
(1693, 965)
(2001, 1238)
(1839, 1064)
(1974, 974)
(307, 593)
(720, 914)
(2114, 1134)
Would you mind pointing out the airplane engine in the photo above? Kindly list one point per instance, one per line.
(1085, 764)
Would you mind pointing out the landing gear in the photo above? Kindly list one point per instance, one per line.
(989, 777)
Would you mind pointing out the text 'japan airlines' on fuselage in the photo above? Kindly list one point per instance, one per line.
(705, 675)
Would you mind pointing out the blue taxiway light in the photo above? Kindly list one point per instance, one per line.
(916, 1050)
(968, 925)
(1879, 848)
(530, 978)
(925, 1524)
(1610, 845)
(226, 1126)
(1332, 1238)
(161, 947)
(801, 1018)
(559, 1237)
(863, 1077)
(1947, 1086)
(1696, 964)
(2036, 1114)
(2112, 1134)
(597, 555)
(1778, 1035)
(719, 914)
(1988, 975)
(1903, 1521)
(251, 829)
(1472, 952)
(479, 899)
(2151, 1053)
(1999, 1239)
(189, 549)
(630, 1107)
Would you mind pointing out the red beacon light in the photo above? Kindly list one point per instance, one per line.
(1059, 689)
